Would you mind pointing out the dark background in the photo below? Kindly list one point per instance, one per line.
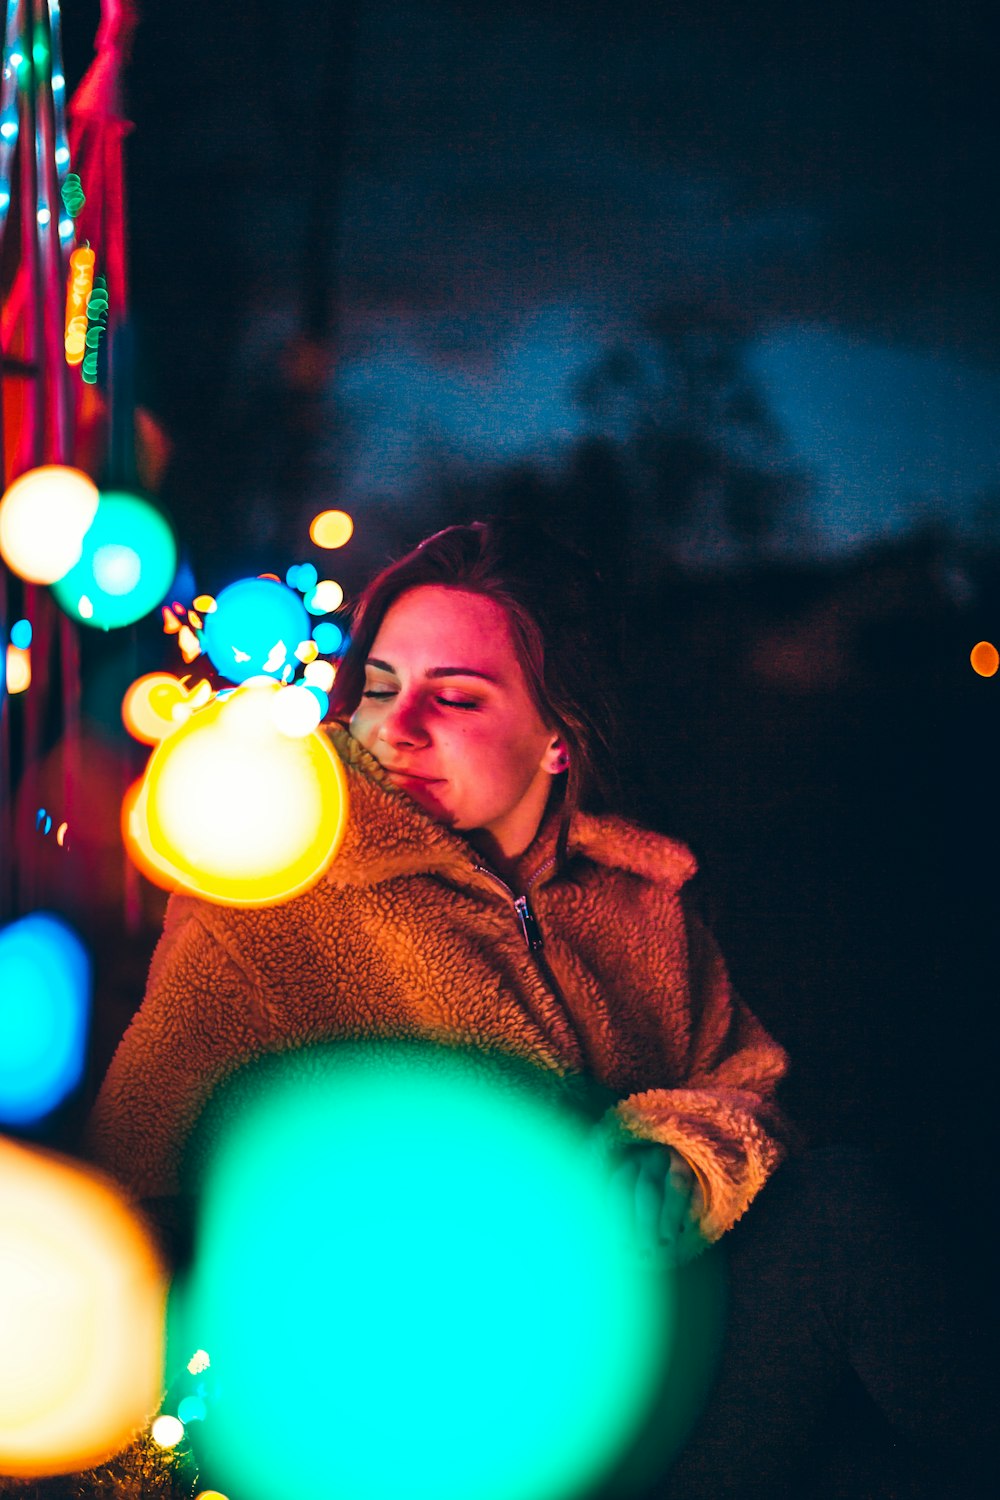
(713, 290)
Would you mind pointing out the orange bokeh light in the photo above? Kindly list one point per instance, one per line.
(18, 669)
(82, 1307)
(985, 659)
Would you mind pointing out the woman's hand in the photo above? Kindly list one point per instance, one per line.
(658, 1200)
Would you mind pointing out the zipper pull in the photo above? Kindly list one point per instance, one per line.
(530, 930)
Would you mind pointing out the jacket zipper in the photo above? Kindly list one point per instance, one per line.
(527, 921)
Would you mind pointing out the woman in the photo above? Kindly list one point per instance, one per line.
(475, 901)
(481, 899)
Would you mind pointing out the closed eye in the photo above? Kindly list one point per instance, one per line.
(379, 695)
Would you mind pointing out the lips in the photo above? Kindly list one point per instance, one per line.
(409, 776)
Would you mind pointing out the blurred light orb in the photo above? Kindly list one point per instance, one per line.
(328, 637)
(232, 809)
(45, 986)
(155, 705)
(401, 1308)
(20, 634)
(325, 597)
(252, 617)
(331, 528)
(17, 669)
(191, 1409)
(985, 659)
(296, 711)
(167, 1431)
(82, 1299)
(126, 566)
(301, 576)
(322, 675)
(44, 517)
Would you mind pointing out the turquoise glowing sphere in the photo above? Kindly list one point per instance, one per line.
(255, 628)
(127, 565)
(418, 1251)
(44, 1015)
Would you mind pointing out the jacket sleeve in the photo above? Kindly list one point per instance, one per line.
(202, 1015)
(722, 1117)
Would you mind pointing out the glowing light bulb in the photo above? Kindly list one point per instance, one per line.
(328, 637)
(18, 670)
(324, 598)
(984, 657)
(44, 1013)
(250, 616)
(73, 1259)
(320, 674)
(496, 1173)
(191, 1409)
(331, 528)
(167, 1431)
(232, 809)
(127, 563)
(296, 712)
(44, 516)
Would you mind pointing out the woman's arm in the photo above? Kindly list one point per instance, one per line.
(201, 1017)
(721, 1118)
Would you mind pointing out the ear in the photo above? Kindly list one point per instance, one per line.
(556, 757)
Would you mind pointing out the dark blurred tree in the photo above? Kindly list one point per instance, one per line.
(702, 454)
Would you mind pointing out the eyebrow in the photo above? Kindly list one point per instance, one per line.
(435, 672)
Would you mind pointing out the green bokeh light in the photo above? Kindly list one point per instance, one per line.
(127, 565)
(418, 1250)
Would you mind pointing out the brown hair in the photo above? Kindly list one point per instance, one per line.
(562, 627)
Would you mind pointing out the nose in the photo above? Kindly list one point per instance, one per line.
(404, 723)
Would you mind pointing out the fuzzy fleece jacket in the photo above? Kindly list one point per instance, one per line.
(409, 935)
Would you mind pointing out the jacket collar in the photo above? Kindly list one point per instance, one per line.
(388, 835)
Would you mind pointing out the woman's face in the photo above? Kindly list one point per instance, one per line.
(447, 712)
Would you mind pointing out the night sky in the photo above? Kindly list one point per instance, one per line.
(471, 203)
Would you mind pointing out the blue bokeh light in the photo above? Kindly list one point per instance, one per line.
(45, 988)
(20, 634)
(328, 637)
(251, 617)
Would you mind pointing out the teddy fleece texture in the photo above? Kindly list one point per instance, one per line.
(409, 935)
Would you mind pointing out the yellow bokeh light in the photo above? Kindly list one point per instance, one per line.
(331, 528)
(307, 651)
(321, 674)
(18, 669)
(167, 1431)
(985, 659)
(205, 604)
(296, 712)
(210, 1495)
(235, 811)
(82, 1308)
(325, 597)
(44, 516)
(155, 704)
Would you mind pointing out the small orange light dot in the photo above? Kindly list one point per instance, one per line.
(985, 659)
